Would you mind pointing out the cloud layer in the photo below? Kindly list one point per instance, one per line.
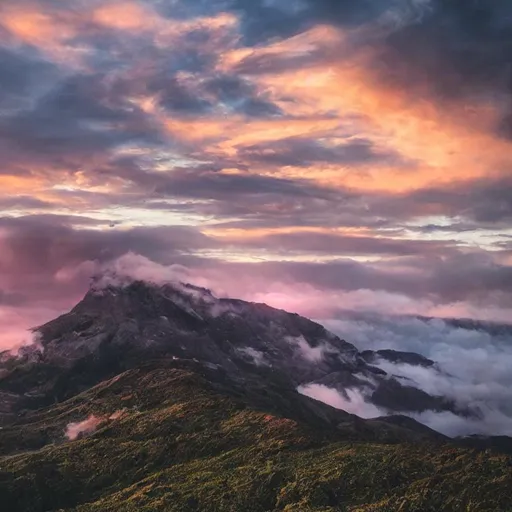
(472, 367)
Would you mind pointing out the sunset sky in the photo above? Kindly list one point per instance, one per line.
(317, 155)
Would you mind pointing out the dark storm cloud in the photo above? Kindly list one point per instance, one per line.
(22, 72)
(461, 276)
(205, 96)
(49, 241)
(449, 49)
(340, 244)
(77, 116)
(459, 47)
(205, 184)
(459, 51)
(178, 97)
(303, 152)
(477, 204)
(263, 20)
(23, 202)
(480, 201)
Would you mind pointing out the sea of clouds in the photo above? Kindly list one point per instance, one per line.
(473, 368)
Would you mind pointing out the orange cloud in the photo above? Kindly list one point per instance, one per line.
(126, 16)
(19, 185)
(446, 143)
(236, 130)
(31, 25)
(138, 17)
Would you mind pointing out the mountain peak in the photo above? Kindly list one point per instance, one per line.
(121, 323)
(111, 280)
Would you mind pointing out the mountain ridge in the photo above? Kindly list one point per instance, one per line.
(164, 398)
(144, 320)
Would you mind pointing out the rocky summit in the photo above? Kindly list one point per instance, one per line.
(166, 398)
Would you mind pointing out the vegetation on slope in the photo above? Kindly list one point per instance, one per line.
(172, 438)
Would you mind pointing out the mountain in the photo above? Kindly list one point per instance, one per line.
(114, 327)
(157, 398)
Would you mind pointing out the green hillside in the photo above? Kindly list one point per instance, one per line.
(176, 437)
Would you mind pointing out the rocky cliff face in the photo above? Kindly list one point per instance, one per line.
(114, 328)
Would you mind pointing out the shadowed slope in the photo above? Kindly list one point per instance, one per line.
(175, 436)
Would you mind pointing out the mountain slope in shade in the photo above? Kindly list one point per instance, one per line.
(148, 398)
(116, 327)
(178, 436)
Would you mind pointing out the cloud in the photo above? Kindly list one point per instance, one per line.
(24, 75)
(207, 184)
(472, 366)
(353, 403)
(15, 332)
(318, 242)
(87, 426)
(77, 116)
(471, 45)
(481, 201)
(263, 20)
(313, 354)
(454, 53)
(255, 356)
(348, 285)
(11, 299)
(457, 277)
(240, 95)
(304, 152)
(70, 250)
(132, 267)
(184, 94)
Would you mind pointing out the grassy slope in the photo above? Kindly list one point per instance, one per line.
(184, 444)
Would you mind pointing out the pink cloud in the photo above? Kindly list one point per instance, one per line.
(354, 404)
(89, 425)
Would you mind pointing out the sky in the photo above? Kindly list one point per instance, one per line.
(317, 155)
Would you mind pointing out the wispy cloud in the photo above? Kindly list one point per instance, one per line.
(354, 402)
(87, 426)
